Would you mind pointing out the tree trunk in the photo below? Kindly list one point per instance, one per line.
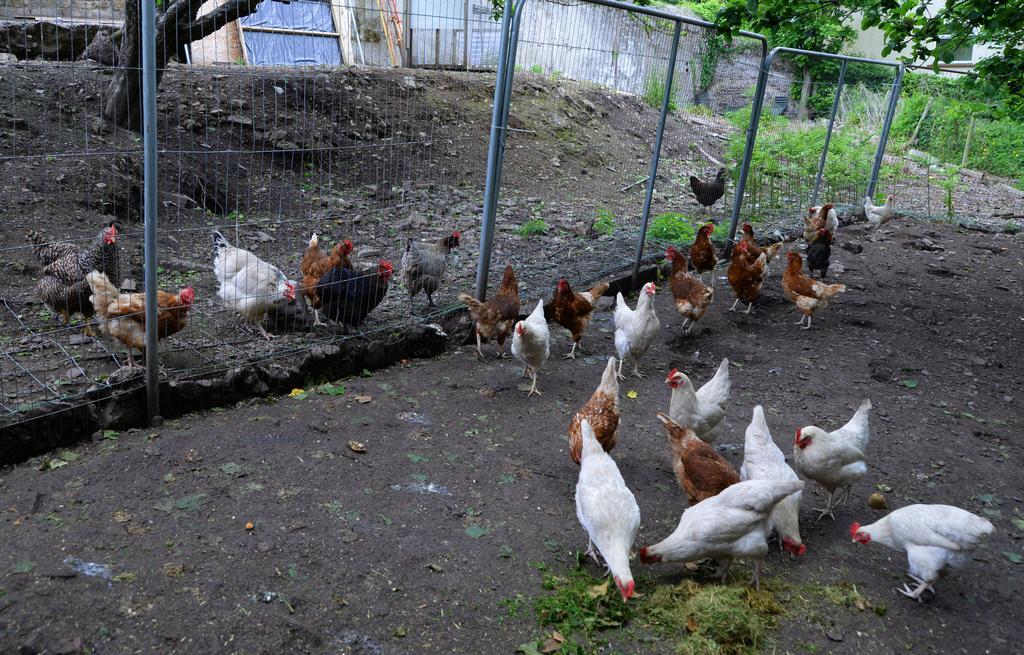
(176, 27)
(805, 93)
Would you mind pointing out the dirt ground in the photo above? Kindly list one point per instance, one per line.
(463, 496)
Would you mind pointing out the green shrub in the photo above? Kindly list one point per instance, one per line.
(537, 69)
(533, 227)
(671, 226)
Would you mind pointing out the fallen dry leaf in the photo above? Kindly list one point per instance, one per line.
(122, 516)
(631, 395)
(356, 447)
(364, 399)
(551, 646)
(598, 590)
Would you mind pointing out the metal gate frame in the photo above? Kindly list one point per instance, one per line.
(511, 19)
(755, 119)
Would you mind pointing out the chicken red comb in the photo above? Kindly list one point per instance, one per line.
(854, 529)
(671, 252)
(671, 374)
(456, 234)
(796, 439)
(347, 245)
(187, 295)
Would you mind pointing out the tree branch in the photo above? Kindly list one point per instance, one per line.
(218, 18)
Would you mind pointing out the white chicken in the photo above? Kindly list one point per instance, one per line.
(635, 330)
(732, 525)
(700, 410)
(880, 215)
(531, 343)
(835, 460)
(607, 510)
(762, 460)
(935, 537)
(246, 283)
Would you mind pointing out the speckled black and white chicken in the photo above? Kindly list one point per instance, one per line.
(63, 286)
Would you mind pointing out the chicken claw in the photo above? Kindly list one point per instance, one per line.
(572, 353)
(916, 593)
(733, 308)
(533, 388)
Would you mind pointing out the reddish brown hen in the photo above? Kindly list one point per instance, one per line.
(746, 275)
(700, 470)
(572, 310)
(702, 252)
(692, 297)
(496, 317)
(601, 411)
(316, 264)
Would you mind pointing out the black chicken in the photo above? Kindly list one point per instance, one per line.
(349, 296)
(708, 193)
(818, 253)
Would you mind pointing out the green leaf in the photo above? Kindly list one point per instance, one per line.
(476, 531)
(23, 567)
(1018, 522)
(884, 488)
(1014, 558)
(910, 384)
(333, 389)
(505, 552)
(385, 520)
(529, 648)
(189, 503)
(111, 434)
(416, 458)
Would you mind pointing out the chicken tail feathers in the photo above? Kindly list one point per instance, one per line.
(598, 290)
(471, 302)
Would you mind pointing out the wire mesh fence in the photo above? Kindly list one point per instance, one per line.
(819, 143)
(584, 123)
(368, 123)
(951, 157)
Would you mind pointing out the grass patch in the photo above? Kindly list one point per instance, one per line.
(604, 222)
(533, 227)
(582, 612)
(654, 92)
(537, 69)
(673, 227)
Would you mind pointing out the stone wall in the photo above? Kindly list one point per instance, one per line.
(76, 11)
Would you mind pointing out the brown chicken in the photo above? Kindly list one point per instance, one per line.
(123, 315)
(755, 250)
(691, 297)
(820, 218)
(702, 252)
(572, 310)
(809, 296)
(496, 317)
(316, 264)
(601, 411)
(746, 275)
(700, 470)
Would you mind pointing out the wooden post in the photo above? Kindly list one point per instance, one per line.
(920, 122)
(465, 35)
(437, 48)
(967, 146)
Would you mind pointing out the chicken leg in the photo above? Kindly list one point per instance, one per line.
(533, 388)
(479, 351)
(572, 353)
(916, 593)
(636, 369)
(801, 322)
(749, 307)
(755, 579)
(829, 509)
(316, 318)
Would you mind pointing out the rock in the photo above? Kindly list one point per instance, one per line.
(238, 119)
(263, 237)
(79, 339)
(75, 372)
(853, 246)
(409, 82)
(102, 50)
(8, 58)
(367, 252)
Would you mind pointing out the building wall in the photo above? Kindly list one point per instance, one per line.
(870, 42)
(80, 11)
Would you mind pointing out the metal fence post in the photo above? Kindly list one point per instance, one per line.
(886, 126)
(652, 174)
(511, 19)
(748, 150)
(149, 203)
(828, 133)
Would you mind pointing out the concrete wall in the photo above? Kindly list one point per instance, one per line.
(81, 11)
